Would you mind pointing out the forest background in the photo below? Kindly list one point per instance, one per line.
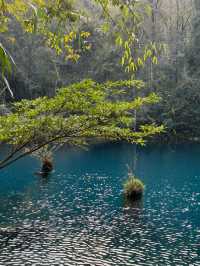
(175, 24)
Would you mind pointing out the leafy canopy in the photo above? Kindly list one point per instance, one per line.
(55, 20)
(75, 114)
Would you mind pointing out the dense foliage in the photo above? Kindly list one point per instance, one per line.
(75, 114)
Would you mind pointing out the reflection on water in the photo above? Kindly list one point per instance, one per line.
(78, 216)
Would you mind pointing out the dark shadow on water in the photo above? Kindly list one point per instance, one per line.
(44, 179)
(133, 208)
(8, 235)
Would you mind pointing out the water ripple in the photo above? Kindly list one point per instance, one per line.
(74, 219)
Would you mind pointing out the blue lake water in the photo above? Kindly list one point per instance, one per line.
(78, 215)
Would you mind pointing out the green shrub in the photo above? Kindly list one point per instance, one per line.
(133, 188)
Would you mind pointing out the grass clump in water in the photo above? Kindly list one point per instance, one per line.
(133, 188)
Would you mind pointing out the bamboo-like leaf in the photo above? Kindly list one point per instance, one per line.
(7, 86)
(35, 15)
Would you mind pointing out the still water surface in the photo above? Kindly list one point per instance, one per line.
(78, 216)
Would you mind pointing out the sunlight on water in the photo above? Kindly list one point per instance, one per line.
(78, 216)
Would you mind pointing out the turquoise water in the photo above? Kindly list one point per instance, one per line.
(78, 216)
